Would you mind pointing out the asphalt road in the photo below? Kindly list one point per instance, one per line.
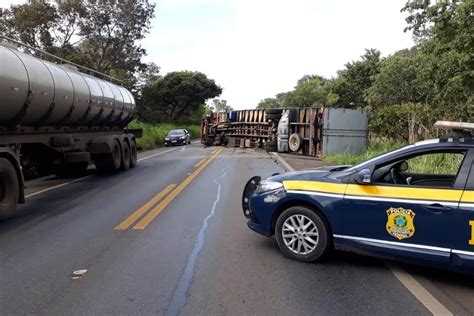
(168, 237)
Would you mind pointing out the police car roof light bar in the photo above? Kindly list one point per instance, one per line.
(458, 129)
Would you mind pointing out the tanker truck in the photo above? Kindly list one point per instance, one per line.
(59, 118)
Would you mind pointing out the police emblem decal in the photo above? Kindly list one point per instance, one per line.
(400, 222)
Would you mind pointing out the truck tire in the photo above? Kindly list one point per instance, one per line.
(109, 162)
(9, 189)
(271, 146)
(133, 155)
(125, 164)
(295, 142)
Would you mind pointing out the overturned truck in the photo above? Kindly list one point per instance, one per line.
(305, 131)
(58, 120)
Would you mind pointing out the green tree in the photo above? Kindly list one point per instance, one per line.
(310, 91)
(219, 105)
(176, 97)
(353, 82)
(445, 33)
(400, 80)
(269, 103)
(101, 35)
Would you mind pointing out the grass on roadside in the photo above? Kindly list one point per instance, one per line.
(154, 135)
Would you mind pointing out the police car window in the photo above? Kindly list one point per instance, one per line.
(435, 169)
(436, 163)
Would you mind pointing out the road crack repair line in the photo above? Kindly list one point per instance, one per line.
(180, 294)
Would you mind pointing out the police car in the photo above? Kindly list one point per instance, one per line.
(414, 204)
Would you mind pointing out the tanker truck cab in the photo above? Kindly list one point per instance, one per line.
(58, 120)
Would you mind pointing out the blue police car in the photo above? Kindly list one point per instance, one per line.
(415, 204)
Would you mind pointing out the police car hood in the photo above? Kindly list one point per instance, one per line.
(312, 174)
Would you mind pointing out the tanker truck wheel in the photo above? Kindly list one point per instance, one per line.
(109, 162)
(9, 189)
(133, 155)
(125, 164)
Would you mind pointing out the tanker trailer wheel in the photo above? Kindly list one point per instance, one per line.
(133, 154)
(9, 189)
(125, 164)
(109, 162)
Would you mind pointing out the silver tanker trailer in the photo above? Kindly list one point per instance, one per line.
(61, 119)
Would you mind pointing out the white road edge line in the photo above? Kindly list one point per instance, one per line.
(83, 178)
(421, 294)
(425, 297)
(282, 161)
(157, 154)
(57, 186)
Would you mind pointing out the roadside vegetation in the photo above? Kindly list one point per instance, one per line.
(154, 134)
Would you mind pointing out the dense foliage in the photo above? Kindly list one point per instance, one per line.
(405, 93)
(176, 97)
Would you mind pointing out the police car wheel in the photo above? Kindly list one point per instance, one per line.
(301, 234)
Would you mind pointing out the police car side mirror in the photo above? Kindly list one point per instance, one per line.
(363, 177)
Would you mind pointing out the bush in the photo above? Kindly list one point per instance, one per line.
(154, 135)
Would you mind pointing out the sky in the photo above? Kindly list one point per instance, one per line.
(255, 49)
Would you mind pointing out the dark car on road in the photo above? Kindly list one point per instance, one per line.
(177, 137)
(415, 204)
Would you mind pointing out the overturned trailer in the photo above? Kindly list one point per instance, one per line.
(304, 131)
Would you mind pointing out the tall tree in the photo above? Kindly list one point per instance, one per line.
(269, 103)
(102, 35)
(175, 97)
(353, 82)
(445, 32)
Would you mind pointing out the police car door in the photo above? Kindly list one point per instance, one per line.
(463, 249)
(409, 208)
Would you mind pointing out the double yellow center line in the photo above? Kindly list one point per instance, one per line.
(154, 207)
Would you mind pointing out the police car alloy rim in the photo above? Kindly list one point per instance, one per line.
(300, 234)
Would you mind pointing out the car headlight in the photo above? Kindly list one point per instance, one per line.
(167, 138)
(265, 186)
(182, 137)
